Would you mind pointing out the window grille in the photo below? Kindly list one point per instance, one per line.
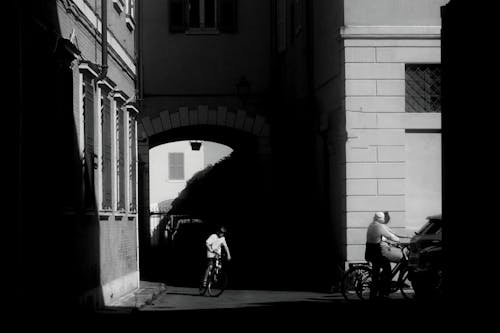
(423, 87)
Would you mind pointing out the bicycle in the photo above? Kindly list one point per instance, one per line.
(216, 280)
(357, 280)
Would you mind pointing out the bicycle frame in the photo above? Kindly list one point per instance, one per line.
(365, 271)
(217, 265)
(399, 267)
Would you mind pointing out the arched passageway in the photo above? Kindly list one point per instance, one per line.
(234, 193)
(277, 233)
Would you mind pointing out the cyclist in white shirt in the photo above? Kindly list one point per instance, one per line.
(214, 245)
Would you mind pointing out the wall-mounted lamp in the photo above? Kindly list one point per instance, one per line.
(195, 145)
(243, 87)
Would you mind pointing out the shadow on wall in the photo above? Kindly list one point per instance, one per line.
(57, 222)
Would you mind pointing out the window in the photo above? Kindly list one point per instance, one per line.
(203, 15)
(130, 9)
(423, 87)
(106, 150)
(176, 166)
(88, 130)
(119, 5)
(133, 164)
(120, 163)
(130, 14)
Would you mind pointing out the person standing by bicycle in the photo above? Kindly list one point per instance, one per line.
(379, 254)
(214, 244)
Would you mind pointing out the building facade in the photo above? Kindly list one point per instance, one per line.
(391, 77)
(173, 164)
(86, 93)
(374, 76)
(204, 75)
(107, 131)
(352, 107)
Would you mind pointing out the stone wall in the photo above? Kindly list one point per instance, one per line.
(377, 124)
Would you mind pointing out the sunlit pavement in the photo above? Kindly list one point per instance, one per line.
(178, 298)
(258, 308)
(181, 298)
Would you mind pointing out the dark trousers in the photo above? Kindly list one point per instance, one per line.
(381, 271)
(210, 263)
(381, 278)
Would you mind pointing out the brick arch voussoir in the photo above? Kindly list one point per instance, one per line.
(239, 119)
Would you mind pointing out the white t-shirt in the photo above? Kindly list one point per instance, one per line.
(377, 232)
(215, 243)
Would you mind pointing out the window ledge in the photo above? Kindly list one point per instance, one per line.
(176, 180)
(130, 22)
(202, 31)
(118, 5)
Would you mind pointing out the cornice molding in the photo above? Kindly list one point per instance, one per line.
(108, 83)
(89, 67)
(85, 14)
(119, 94)
(390, 32)
(131, 107)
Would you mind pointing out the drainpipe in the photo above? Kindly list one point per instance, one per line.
(104, 38)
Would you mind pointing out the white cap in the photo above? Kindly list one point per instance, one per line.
(379, 216)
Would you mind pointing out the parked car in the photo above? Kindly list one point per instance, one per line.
(426, 259)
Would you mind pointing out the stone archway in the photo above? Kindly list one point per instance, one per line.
(221, 117)
(237, 129)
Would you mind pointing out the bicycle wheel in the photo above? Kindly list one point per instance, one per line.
(405, 285)
(203, 289)
(217, 283)
(356, 283)
(204, 286)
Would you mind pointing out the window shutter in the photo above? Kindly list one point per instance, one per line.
(177, 11)
(88, 117)
(228, 16)
(121, 172)
(176, 166)
(106, 154)
(133, 163)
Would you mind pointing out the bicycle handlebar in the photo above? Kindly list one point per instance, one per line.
(399, 244)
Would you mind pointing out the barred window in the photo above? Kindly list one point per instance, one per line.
(423, 87)
(176, 166)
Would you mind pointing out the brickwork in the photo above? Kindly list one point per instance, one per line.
(118, 247)
(202, 115)
(87, 39)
